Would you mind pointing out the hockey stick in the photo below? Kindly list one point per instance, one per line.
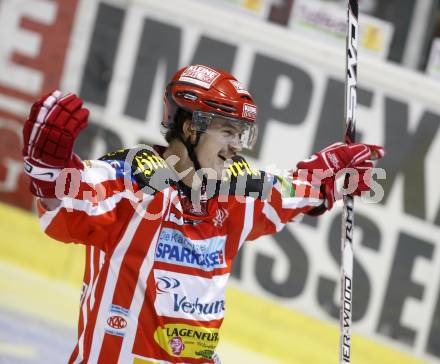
(348, 210)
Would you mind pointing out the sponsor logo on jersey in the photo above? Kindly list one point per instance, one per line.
(205, 354)
(239, 87)
(184, 304)
(220, 216)
(249, 111)
(148, 162)
(199, 75)
(240, 168)
(173, 247)
(117, 320)
(164, 284)
(193, 298)
(188, 341)
(176, 344)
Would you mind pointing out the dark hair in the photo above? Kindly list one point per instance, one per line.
(177, 129)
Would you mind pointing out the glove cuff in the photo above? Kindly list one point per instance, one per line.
(44, 178)
(39, 172)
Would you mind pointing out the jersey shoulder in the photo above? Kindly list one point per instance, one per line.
(143, 165)
(247, 181)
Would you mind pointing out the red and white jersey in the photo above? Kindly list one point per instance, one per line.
(157, 270)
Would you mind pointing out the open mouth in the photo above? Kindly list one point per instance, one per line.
(225, 156)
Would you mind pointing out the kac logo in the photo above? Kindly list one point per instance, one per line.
(116, 322)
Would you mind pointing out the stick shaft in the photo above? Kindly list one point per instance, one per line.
(348, 209)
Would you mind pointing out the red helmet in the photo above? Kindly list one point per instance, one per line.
(208, 91)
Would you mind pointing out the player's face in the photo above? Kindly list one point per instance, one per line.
(217, 144)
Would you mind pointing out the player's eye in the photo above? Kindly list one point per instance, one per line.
(228, 132)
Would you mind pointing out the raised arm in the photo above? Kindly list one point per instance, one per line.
(77, 200)
(311, 189)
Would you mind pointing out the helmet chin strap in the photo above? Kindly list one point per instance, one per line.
(190, 147)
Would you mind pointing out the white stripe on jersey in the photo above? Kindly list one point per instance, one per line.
(98, 172)
(300, 202)
(80, 205)
(94, 284)
(90, 208)
(94, 209)
(47, 217)
(272, 216)
(89, 300)
(140, 291)
(80, 356)
(111, 280)
(248, 220)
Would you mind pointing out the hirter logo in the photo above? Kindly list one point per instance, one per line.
(117, 322)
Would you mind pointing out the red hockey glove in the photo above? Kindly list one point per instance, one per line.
(49, 133)
(339, 156)
(360, 182)
(323, 167)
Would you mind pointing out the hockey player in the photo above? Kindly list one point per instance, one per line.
(164, 224)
